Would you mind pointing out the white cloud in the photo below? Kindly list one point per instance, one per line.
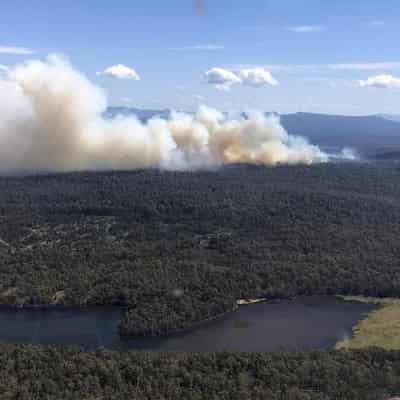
(16, 50)
(120, 71)
(221, 78)
(381, 81)
(199, 97)
(257, 77)
(3, 68)
(199, 47)
(306, 28)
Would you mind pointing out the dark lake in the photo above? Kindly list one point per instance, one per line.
(303, 323)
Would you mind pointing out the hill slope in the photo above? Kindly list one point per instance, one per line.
(180, 247)
(367, 134)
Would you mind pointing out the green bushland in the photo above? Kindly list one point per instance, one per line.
(53, 373)
(380, 328)
(177, 248)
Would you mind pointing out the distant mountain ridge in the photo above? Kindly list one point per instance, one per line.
(370, 135)
(142, 114)
(390, 117)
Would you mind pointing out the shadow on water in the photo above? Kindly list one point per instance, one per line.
(303, 323)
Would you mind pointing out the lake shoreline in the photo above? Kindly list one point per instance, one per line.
(379, 328)
(238, 304)
(307, 322)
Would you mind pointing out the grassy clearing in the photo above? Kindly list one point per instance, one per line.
(380, 328)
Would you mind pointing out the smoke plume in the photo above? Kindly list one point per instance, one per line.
(51, 120)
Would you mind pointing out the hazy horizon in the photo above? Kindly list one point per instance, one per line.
(386, 116)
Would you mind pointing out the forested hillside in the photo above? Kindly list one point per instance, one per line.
(181, 247)
(368, 135)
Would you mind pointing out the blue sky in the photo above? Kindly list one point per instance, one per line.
(316, 49)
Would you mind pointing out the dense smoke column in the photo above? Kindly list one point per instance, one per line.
(51, 120)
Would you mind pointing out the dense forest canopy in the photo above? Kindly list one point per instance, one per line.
(181, 247)
(37, 373)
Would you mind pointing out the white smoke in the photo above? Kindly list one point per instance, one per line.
(51, 120)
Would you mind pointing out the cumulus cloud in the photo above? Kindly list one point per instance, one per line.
(51, 119)
(306, 28)
(222, 78)
(16, 50)
(257, 77)
(381, 81)
(121, 71)
(252, 76)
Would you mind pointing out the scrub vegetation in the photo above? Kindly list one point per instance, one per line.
(380, 328)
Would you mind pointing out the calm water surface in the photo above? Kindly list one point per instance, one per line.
(303, 323)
